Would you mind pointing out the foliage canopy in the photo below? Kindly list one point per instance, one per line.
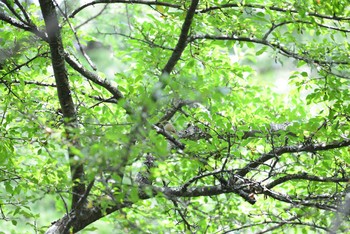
(162, 117)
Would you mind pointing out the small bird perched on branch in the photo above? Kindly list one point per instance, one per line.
(168, 127)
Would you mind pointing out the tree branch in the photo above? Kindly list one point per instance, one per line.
(64, 94)
(18, 67)
(292, 149)
(282, 50)
(169, 137)
(289, 221)
(23, 26)
(26, 16)
(90, 215)
(141, 2)
(203, 191)
(175, 108)
(279, 9)
(150, 43)
(182, 42)
(294, 201)
(305, 176)
(13, 11)
(75, 65)
(93, 77)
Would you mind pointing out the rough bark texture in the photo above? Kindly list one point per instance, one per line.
(64, 93)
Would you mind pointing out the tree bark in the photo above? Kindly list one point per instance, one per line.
(64, 95)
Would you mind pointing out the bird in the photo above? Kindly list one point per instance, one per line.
(169, 128)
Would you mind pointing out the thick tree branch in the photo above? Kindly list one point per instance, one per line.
(177, 192)
(241, 190)
(203, 191)
(64, 94)
(169, 137)
(23, 26)
(182, 42)
(90, 215)
(13, 11)
(42, 84)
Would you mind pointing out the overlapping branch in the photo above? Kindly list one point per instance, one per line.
(273, 8)
(281, 49)
(94, 77)
(274, 26)
(299, 202)
(202, 191)
(247, 190)
(294, 221)
(291, 149)
(74, 64)
(307, 177)
(19, 66)
(146, 41)
(140, 2)
(18, 24)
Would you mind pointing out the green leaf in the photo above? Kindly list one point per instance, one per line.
(261, 51)
(14, 222)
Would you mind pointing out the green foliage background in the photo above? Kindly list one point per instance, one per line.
(227, 68)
